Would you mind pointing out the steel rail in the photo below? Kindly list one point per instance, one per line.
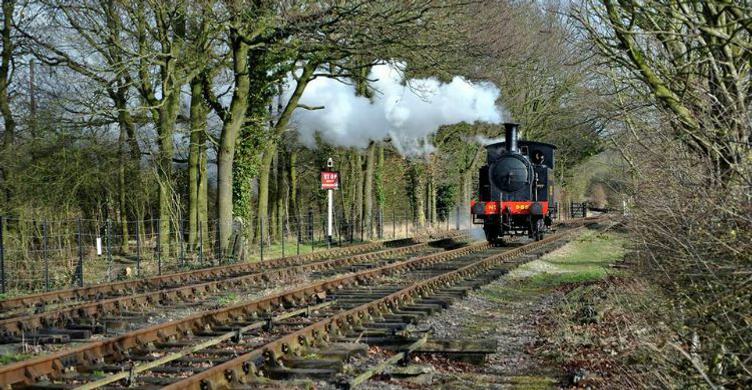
(243, 368)
(54, 365)
(139, 368)
(124, 287)
(18, 325)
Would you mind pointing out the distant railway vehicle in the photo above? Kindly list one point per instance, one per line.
(516, 188)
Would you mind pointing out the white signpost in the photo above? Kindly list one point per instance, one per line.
(329, 182)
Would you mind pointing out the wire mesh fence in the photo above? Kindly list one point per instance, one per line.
(40, 255)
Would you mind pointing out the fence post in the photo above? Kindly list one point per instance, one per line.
(107, 238)
(181, 237)
(394, 223)
(138, 250)
(404, 221)
(200, 243)
(46, 257)
(381, 223)
(310, 228)
(324, 234)
(261, 237)
(297, 245)
(339, 230)
(159, 247)
(313, 233)
(2, 257)
(80, 268)
(457, 222)
(284, 236)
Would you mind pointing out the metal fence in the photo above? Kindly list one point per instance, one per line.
(40, 255)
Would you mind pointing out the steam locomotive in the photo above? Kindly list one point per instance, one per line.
(515, 188)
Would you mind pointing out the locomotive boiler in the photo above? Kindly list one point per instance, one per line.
(515, 189)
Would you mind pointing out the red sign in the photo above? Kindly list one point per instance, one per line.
(329, 180)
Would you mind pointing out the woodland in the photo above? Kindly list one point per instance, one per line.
(181, 116)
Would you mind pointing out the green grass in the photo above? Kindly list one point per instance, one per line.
(584, 260)
(274, 251)
(12, 358)
(227, 299)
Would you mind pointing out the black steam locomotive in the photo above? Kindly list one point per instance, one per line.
(515, 188)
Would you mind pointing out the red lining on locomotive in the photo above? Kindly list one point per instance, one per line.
(514, 208)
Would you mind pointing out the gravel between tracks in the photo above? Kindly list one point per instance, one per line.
(505, 311)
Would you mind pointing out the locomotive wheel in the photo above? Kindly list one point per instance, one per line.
(492, 233)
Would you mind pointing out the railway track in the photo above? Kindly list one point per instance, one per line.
(114, 307)
(229, 346)
(99, 291)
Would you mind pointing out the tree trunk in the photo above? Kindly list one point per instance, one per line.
(432, 193)
(282, 198)
(368, 190)
(263, 194)
(197, 189)
(230, 130)
(417, 195)
(271, 148)
(122, 207)
(285, 197)
(203, 196)
(358, 202)
(466, 180)
(274, 200)
(467, 190)
(10, 123)
(379, 183)
(348, 206)
(167, 118)
(293, 178)
(7, 56)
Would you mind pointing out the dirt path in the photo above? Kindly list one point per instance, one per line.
(505, 311)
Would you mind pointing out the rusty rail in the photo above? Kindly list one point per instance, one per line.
(92, 310)
(54, 365)
(124, 287)
(243, 368)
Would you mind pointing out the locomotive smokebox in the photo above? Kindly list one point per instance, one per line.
(510, 136)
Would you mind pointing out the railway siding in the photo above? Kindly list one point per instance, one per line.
(242, 275)
(244, 368)
(55, 364)
(173, 279)
(52, 368)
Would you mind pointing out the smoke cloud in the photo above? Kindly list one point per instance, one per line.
(406, 111)
(487, 140)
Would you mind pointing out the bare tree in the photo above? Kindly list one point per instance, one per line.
(694, 59)
(681, 88)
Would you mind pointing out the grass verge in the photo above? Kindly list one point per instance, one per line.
(601, 333)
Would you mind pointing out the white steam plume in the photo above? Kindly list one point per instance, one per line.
(407, 111)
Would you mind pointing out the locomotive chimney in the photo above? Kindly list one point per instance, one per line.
(510, 136)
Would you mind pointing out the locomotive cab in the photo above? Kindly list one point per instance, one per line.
(515, 188)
